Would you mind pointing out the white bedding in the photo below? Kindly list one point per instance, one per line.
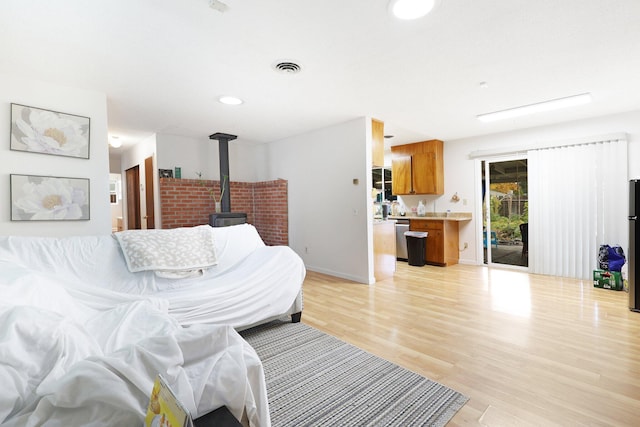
(250, 283)
(63, 363)
(82, 337)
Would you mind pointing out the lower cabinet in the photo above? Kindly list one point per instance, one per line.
(384, 250)
(442, 247)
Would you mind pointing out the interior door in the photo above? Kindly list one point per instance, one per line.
(506, 207)
(148, 195)
(132, 176)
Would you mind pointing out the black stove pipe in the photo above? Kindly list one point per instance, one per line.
(223, 150)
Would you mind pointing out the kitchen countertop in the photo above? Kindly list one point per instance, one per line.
(377, 221)
(439, 216)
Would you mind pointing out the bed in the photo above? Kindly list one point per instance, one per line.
(82, 337)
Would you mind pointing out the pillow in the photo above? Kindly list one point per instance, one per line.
(174, 254)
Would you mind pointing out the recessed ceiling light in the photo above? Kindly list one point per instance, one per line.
(411, 9)
(230, 100)
(553, 104)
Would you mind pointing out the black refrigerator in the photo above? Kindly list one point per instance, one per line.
(634, 238)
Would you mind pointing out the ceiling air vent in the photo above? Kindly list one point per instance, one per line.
(287, 67)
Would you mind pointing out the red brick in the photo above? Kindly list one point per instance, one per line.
(186, 203)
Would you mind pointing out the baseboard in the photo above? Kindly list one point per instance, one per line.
(364, 280)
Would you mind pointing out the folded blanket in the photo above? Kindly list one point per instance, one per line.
(175, 253)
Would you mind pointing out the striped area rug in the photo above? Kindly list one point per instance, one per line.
(314, 379)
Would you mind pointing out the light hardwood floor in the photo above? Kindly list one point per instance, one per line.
(526, 349)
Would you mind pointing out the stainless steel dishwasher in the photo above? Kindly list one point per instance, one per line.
(402, 225)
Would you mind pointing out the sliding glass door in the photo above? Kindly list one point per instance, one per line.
(505, 213)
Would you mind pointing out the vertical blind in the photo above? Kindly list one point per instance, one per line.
(578, 200)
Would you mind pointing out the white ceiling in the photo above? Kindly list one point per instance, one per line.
(163, 63)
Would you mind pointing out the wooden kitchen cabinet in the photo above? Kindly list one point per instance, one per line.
(401, 173)
(418, 168)
(377, 141)
(384, 249)
(442, 245)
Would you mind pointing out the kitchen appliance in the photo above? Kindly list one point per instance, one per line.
(223, 154)
(385, 210)
(224, 219)
(634, 238)
(402, 225)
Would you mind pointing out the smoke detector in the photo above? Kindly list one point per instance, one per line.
(218, 5)
(287, 67)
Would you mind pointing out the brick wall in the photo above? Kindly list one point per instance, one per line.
(242, 199)
(271, 210)
(187, 203)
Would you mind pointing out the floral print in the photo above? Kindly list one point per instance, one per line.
(49, 132)
(51, 199)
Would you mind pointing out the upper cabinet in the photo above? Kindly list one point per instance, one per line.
(377, 130)
(418, 168)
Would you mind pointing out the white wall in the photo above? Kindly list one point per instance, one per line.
(68, 100)
(192, 155)
(131, 157)
(329, 216)
(114, 163)
(461, 175)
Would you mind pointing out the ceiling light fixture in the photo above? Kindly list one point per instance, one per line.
(230, 100)
(553, 104)
(411, 9)
(115, 142)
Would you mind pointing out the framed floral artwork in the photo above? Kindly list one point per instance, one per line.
(49, 132)
(48, 198)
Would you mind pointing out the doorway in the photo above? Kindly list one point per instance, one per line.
(148, 191)
(141, 207)
(505, 212)
(132, 177)
(115, 199)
